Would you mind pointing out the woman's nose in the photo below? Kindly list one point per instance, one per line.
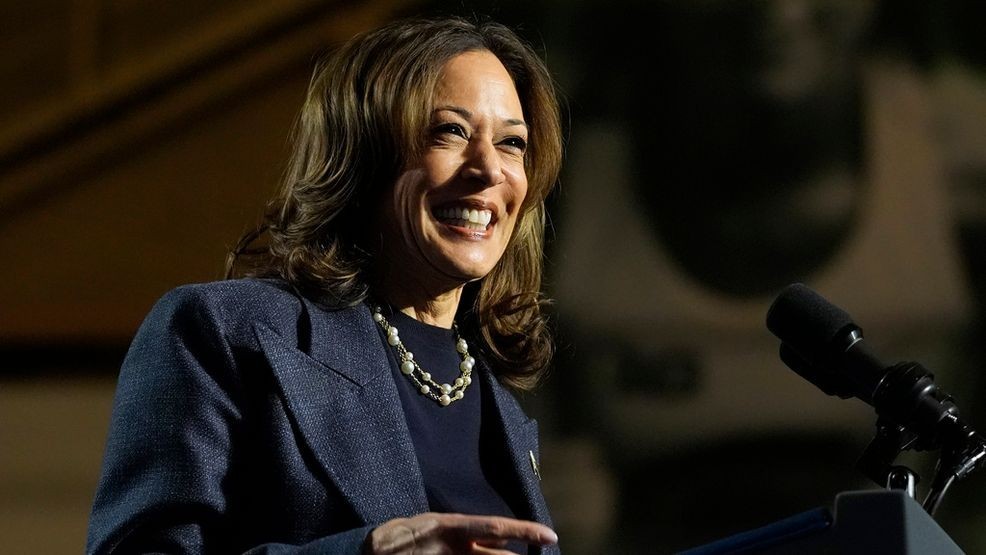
(483, 164)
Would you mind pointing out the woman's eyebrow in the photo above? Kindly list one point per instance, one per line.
(456, 109)
(512, 121)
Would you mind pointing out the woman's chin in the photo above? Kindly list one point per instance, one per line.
(462, 270)
(465, 258)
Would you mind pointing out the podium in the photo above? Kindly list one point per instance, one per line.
(863, 522)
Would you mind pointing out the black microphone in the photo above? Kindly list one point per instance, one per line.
(821, 342)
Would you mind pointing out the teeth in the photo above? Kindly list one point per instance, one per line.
(478, 218)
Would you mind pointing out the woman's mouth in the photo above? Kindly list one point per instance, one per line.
(472, 219)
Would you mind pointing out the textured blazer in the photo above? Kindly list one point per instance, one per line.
(248, 419)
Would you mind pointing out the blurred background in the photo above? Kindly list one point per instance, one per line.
(717, 150)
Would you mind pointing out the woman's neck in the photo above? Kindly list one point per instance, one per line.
(436, 306)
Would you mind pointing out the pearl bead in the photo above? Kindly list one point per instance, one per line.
(466, 380)
(407, 367)
(465, 366)
(392, 331)
(424, 389)
(446, 388)
(393, 340)
(377, 317)
(458, 382)
(471, 361)
(444, 400)
(458, 395)
(409, 356)
(462, 346)
(426, 376)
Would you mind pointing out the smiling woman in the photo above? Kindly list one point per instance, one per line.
(346, 393)
(452, 212)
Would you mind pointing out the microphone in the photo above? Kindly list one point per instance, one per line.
(821, 343)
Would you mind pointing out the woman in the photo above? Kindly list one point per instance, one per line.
(348, 396)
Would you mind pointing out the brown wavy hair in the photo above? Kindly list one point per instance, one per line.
(367, 109)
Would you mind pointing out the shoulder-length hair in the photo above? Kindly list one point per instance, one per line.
(366, 113)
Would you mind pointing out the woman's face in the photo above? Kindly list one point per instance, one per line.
(450, 213)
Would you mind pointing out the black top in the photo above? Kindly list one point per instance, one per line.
(449, 440)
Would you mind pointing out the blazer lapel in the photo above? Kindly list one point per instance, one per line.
(521, 435)
(347, 408)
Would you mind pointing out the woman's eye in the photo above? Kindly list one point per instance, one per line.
(451, 129)
(515, 142)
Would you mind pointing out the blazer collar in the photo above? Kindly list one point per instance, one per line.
(348, 342)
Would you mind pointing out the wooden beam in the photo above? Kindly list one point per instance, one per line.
(72, 134)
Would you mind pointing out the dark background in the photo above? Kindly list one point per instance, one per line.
(716, 151)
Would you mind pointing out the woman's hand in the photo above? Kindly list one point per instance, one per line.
(442, 533)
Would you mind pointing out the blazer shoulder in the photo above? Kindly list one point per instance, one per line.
(233, 307)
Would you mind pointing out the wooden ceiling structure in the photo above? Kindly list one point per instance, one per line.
(138, 139)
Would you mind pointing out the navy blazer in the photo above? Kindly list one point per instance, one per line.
(247, 418)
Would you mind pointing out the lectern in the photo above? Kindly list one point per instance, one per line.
(862, 522)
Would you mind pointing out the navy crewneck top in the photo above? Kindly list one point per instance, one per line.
(449, 440)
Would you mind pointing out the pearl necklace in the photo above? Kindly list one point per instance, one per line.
(409, 367)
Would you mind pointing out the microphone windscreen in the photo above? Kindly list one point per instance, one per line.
(804, 320)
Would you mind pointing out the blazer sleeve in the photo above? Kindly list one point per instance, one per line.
(164, 483)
